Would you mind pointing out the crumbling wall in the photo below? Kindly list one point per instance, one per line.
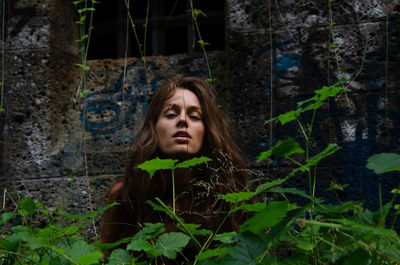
(52, 150)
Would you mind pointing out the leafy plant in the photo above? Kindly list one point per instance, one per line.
(156, 164)
(51, 244)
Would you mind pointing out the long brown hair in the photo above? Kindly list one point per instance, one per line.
(136, 187)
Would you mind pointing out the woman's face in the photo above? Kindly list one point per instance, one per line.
(180, 127)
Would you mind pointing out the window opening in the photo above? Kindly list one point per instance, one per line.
(170, 28)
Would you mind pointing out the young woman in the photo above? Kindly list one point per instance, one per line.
(182, 121)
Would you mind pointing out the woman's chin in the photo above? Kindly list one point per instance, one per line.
(180, 155)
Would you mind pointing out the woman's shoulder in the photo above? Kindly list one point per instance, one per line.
(116, 191)
(117, 187)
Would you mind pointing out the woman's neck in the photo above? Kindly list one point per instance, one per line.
(182, 178)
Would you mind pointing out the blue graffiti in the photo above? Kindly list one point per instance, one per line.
(97, 105)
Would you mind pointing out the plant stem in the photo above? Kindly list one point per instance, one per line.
(173, 191)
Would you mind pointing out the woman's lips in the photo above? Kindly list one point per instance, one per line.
(181, 136)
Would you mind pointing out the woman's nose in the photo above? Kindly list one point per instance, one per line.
(183, 119)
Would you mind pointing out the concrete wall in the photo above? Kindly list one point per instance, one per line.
(42, 129)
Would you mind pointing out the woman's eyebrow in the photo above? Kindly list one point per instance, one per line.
(195, 108)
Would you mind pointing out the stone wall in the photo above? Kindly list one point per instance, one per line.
(48, 145)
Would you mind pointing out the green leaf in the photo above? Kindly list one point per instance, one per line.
(27, 205)
(5, 217)
(193, 229)
(246, 251)
(336, 186)
(171, 243)
(254, 207)
(119, 257)
(293, 191)
(91, 258)
(212, 253)
(313, 103)
(86, 9)
(83, 38)
(265, 186)
(193, 162)
(329, 150)
(157, 207)
(226, 238)
(198, 12)
(149, 231)
(151, 166)
(7, 245)
(236, 197)
(68, 215)
(285, 225)
(143, 245)
(83, 253)
(282, 149)
(84, 67)
(356, 226)
(267, 217)
(288, 116)
(202, 43)
(358, 256)
(392, 191)
(384, 162)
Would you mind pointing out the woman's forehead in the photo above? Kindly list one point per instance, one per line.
(182, 97)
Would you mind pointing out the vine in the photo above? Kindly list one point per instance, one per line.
(85, 33)
(3, 44)
(195, 13)
(334, 46)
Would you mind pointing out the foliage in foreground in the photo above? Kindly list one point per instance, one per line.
(279, 232)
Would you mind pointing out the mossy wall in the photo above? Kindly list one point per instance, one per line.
(49, 146)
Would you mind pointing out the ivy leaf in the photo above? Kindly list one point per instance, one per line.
(267, 217)
(193, 162)
(171, 243)
(236, 197)
(384, 162)
(119, 257)
(151, 166)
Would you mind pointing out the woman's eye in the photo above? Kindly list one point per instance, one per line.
(194, 117)
(170, 115)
